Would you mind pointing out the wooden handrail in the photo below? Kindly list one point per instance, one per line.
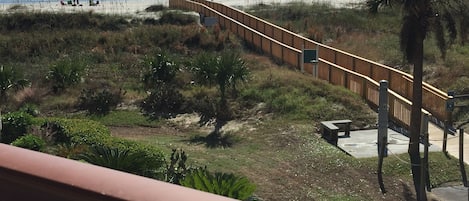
(393, 93)
(30, 175)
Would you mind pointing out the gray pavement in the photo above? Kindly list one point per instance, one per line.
(436, 137)
(362, 144)
(451, 193)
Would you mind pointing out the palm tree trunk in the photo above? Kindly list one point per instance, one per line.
(415, 120)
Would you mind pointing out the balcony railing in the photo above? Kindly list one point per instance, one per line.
(30, 175)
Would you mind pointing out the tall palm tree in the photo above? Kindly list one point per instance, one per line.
(420, 18)
(226, 70)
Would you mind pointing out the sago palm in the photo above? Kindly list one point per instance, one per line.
(219, 183)
(115, 158)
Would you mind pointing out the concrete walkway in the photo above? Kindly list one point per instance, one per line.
(435, 135)
(362, 144)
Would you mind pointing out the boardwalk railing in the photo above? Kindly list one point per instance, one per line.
(336, 66)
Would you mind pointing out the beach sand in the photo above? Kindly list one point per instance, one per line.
(135, 7)
(124, 7)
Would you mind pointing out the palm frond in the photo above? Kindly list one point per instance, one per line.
(220, 183)
(114, 158)
(440, 37)
(374, 5)
(450, 26)
(407, 37)
(11, 79)
(464, 29)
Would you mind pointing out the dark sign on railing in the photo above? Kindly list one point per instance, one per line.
(310, 56)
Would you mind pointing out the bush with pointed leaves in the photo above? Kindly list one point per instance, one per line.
(224, 184)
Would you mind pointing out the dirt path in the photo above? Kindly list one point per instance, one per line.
(141, 132)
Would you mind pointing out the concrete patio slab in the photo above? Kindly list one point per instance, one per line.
(363, 143)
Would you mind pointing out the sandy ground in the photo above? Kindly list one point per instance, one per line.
(436, 138)
(107, 7)
(138, 6)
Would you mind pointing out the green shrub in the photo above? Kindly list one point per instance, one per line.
(153, 159)
(164, 101)
(10, 79)
(116, 158)
(30, 141)
(99, 102)
(136, 158)
(78, 131)
(15, 125)
(160, 70)
(220, 183)
(72, 151)
(176, 169)
(30, 109)
(204, 68)
(65, 73)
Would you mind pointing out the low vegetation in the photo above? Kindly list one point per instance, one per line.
(154, 98)
(224, 184)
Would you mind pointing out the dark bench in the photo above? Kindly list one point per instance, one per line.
(330, 130)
